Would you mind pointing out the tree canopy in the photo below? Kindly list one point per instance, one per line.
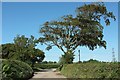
(84, 29)
(23, 49)
(8, 50)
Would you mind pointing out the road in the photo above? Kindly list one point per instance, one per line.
(49, 74)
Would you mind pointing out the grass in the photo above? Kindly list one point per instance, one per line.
(91, 70)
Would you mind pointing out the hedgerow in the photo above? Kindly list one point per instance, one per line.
(46, 66)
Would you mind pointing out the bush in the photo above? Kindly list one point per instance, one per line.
(13, 69)
(91, 60)
(91, 70)
(46, 66)
(67, 58)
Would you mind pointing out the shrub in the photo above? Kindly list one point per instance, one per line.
(67, 58)
(91, 70)
(91, 60)
(44, 62)
(13, 69)
(46, 66)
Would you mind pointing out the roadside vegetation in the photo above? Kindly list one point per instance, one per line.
(19, 57)
(14, 69)
(102, 70)
(44, 65)
(23, 49)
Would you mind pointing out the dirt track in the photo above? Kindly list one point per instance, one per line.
(48, 73)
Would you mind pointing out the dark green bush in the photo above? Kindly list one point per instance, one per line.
(91, 70)
(46, 66)
(67, 58)
(13, 69)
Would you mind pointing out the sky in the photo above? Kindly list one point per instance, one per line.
(59, 0)
(26, 18)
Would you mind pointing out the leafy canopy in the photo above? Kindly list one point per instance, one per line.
(84, 29)
(23, 49)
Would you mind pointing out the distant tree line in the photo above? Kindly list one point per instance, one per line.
(49, 62)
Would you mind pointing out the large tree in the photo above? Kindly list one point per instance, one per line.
(84, 29)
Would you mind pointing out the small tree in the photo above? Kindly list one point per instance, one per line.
(67, 58)
(38, 56)
(8, 50)
(84, 29)
(23, 49)
(44, 62)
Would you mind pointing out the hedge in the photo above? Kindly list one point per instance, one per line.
(91, 70)
(46, 66)
(14, 69)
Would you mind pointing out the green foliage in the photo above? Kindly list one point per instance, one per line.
(44, 62)
(8, 50)
(23, 49)
(84, 29)
(37, 57)
(13, 69)
(91, 60)
(46, 66)
(49, 62)
(91, 70)
(96, 12)
(67, 58)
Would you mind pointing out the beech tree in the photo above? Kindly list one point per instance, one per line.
(84, 29)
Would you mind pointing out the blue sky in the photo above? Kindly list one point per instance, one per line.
(26, 18)
(59, 0)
